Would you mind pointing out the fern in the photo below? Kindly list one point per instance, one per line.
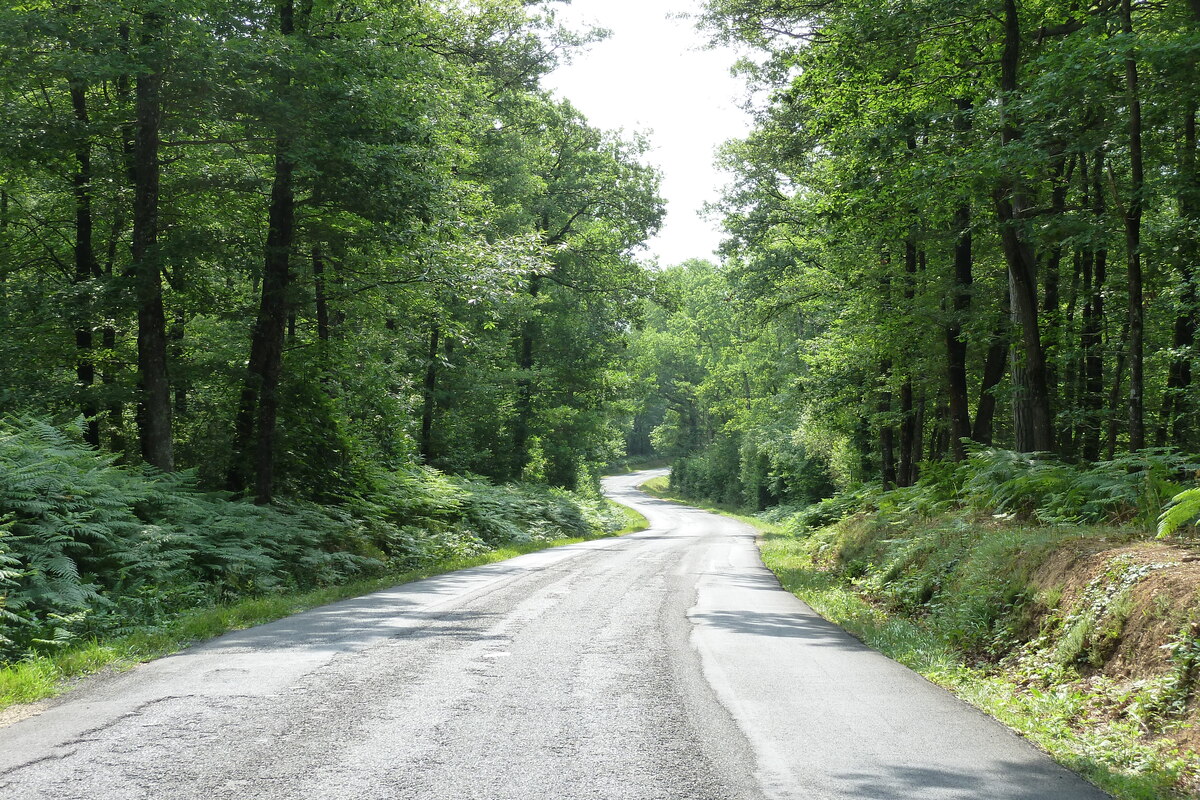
(1183, 508)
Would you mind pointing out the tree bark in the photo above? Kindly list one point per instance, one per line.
(1114, 398)
(154, 410)
(259, 407)
(993, 372)
(956, 344)
(430, 393)
(86, 266)
(1133, 247)
(887, 435)
(1177, 408)
(525, 384)
(1090, 339)
(1060, 176)
(1031, 398)
(905, 472)
(321, 299)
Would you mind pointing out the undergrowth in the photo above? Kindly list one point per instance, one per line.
(90, 549)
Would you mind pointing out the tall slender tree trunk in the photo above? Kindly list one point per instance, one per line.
(993, 372)
(939, 441)
(1133, 246)
(86, 266)
(1091, 327)
(956, 344)
(918, 440)
(525, 385)
(429, 392)
(905, 472)
(154, 410)
(887, 434)
(259, 408)
(1060, 178)
(1031, 399)
(114, 408)
(1177, 406)
(272, 318)
(178, 333)
(1114, 398)
(321, 300)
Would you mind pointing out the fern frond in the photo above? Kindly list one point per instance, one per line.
(1183, 508)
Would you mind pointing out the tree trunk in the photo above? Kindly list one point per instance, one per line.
(321, 299)
(1090, 339)
(956, 345)
(525, 384)
(939, 442)
(259, 407)
(154, 410)
(86, 267)
(887, 435)
(905, 473)
(1133, 247)
(1031, 399)
(178, 329)
(993, 373)
(1114, 398)
(430, 393)
(114, 408)
(1052, 300)
(918, 441)
(1176, 407)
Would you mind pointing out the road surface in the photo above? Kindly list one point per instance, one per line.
(664, 665)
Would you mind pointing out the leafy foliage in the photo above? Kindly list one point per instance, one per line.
(1183, 508)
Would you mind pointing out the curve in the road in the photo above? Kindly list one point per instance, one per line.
(666, 664)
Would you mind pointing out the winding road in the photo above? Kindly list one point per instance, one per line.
(666, 664)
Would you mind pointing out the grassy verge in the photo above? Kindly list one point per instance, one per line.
(634, 521)
(1115, 757)
(42, 676)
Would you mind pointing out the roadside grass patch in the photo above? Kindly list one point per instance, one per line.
(633, 521)
(657, 487)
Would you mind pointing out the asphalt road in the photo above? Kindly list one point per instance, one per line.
(662, 665)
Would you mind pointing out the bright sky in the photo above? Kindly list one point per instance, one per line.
(652, 75)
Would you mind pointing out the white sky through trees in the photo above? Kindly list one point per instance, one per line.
(653, 75)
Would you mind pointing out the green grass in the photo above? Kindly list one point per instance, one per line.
(634, 521)
(657, 487)
(43, 676)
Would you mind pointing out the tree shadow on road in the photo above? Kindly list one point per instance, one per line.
(791, 626)
(997, 780)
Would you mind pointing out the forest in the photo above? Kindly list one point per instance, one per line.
(299, 292)
(952, 227)
(296, 292)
